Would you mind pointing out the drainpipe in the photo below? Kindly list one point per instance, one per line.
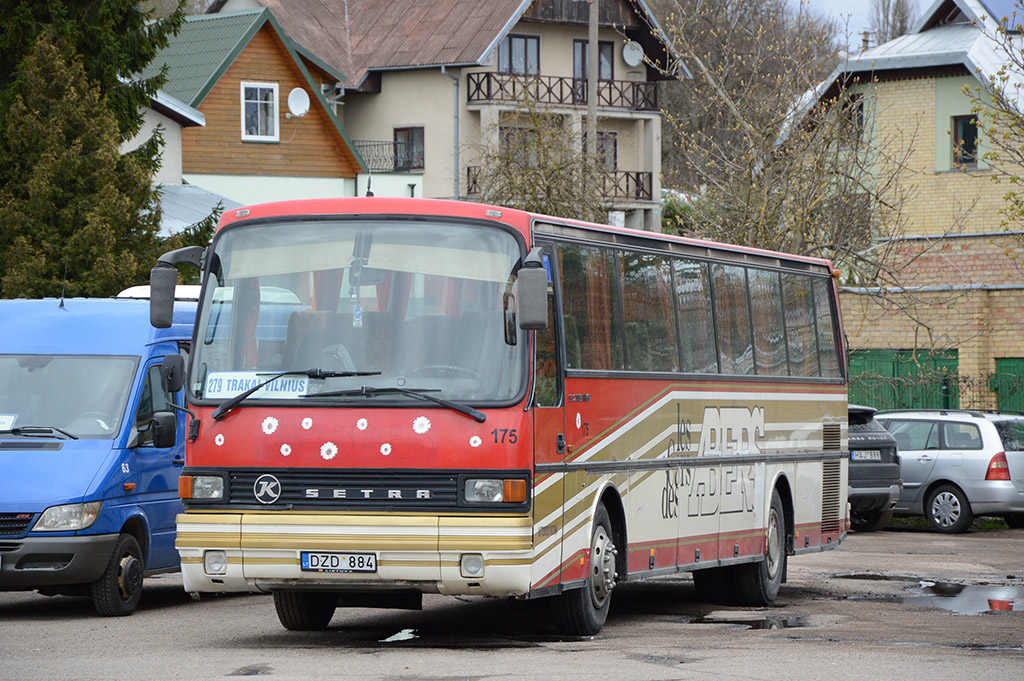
(455, 91)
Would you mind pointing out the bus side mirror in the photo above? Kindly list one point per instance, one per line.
(172, 373)
(163, 279)
(533, 293)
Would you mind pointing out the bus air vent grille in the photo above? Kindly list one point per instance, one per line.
(830, 497)
(831, 437)
(21, 445)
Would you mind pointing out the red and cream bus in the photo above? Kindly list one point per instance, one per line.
(393, 397)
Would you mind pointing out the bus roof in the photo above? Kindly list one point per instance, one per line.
(86, 326)
(518, 219)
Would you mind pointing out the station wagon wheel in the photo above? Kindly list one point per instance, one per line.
(948, 509)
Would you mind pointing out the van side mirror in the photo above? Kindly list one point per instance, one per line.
(164, 427)
(172, 373)
(532, 281)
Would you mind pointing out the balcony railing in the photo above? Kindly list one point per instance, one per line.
(614, 94)
(628, 185)
(389, 157)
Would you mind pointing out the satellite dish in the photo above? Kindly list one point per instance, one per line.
(632, 54)
(298, 102)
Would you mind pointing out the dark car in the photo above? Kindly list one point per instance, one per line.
(874, 471)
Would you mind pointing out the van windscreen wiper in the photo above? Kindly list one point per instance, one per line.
(40, 431)
(369, 391)
(320, 374)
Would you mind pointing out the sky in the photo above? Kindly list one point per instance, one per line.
(857, 11)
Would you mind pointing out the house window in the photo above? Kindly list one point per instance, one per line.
(605, 64)
(607, 149)
(259, 112)
(519, 145)
(965, 142)
(409, 148)
(519, 55)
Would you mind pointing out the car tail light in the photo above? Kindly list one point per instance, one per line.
(998, 468)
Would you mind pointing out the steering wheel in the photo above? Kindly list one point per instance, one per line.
(442, 371)
(90, 418)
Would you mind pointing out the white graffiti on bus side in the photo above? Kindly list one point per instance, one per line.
(731, 430)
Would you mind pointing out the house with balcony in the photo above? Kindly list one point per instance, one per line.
(430, 82)
(952, 333)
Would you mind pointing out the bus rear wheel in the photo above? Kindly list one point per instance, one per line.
(758, 583)
(305, 610)
(582, 612)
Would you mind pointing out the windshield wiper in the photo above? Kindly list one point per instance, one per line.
(320, 374)
(40, 431)
(369, 391)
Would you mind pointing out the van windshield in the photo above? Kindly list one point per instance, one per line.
(393, 303)
(81, 395)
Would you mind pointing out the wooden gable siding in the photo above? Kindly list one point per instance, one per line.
(308, 147)
(613, 12)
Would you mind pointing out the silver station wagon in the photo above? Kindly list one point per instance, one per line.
(958, 464)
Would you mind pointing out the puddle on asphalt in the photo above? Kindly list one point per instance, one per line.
(753, 622)
(958, 598)
(968, 600)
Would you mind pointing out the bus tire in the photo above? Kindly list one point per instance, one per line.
(582, 612)
(305, 610)
(758, 583)
(119, 589)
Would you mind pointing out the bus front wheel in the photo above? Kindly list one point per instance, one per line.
(305, 610)
(582, 612)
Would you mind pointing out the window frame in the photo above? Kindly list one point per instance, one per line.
(581, 53)
(505, 62)
(418, 161)
(959, 153)
(276, 115)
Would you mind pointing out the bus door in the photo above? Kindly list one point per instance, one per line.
(549, 443)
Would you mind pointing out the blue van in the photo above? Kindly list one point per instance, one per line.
(91, 447)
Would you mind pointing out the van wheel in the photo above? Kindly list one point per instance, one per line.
(118, 590)
(582, 612)
(305, 610)
(758, 583)
(1015, 522)
(949, 510)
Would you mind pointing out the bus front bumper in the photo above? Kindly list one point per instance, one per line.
(263, 552)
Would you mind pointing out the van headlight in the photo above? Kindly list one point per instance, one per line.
(68, 517)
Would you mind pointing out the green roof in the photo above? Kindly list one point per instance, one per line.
(206, 46)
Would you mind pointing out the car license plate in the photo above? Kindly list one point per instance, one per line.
(316, 561)
(866, 455)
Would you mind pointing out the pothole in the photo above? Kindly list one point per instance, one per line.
(753, 621)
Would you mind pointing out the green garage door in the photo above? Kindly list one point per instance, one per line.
(1008, 384)
(903, 379)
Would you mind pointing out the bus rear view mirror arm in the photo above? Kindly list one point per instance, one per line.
(162, 280)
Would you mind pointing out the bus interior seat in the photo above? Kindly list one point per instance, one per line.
(426, 340)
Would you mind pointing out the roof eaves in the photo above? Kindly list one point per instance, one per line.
(660, 34)
(176, 109)
(512, 21)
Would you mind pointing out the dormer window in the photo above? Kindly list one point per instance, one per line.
(259, 112)
(519, 55)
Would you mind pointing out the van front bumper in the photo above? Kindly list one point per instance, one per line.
(40, 561)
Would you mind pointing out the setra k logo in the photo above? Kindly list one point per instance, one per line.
(267, 489)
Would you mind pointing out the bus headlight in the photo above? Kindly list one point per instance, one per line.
(68, 517)
(494, 491)
(201, 487)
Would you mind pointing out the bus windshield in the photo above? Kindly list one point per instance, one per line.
(419, 304)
